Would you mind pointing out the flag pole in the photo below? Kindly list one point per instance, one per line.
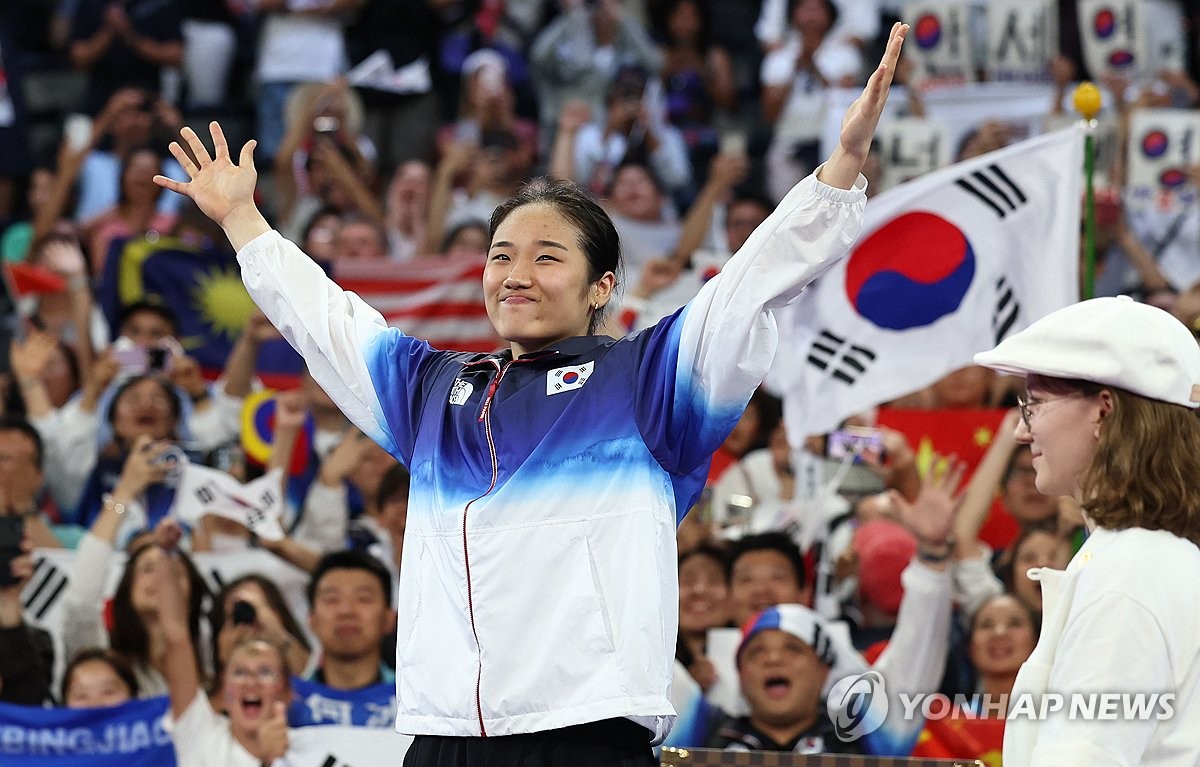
(1087, 103)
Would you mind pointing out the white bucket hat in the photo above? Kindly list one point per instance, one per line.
(1113, 341)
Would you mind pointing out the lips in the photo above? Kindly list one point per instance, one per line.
(252, 706)
(777, 687)
(516, 300)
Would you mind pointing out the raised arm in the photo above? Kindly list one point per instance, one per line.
(858, 126)
(369, 369)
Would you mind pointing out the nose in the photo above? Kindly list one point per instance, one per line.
(1022, 433)
(518, 277)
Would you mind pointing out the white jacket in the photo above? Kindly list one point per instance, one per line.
(539, 587)
(1124, 617)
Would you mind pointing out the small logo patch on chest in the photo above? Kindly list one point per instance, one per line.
(461, 392)
(560, 380)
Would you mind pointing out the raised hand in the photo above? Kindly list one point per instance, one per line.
(222, 190)
(273, 733)
(858, 126)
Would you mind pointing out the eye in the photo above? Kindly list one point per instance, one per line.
(546, 257)
(500, 257)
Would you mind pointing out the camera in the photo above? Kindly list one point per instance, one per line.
(244, 613)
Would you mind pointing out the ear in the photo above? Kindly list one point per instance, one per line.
(602, 290)
(1104, 402)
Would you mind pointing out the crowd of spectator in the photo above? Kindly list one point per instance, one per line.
(388, 130)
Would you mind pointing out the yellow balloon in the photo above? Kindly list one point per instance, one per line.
(1087, 100)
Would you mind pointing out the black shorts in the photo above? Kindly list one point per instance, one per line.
(608, 743)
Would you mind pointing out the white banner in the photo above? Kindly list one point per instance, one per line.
(959, 109)
(340, 746)
(1022, 38)
(910, 147)
(940, 42)
(947, 265)
(1163, 143)
(1136, 38)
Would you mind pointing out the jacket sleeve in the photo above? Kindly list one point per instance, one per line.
(370, 371)
(915, 658)
(700, 365)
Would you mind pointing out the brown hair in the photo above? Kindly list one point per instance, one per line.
(117, 662)
(1145, 468)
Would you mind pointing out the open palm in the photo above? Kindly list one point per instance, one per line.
(217, 185)
(858, 126)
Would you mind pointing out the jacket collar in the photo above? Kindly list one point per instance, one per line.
(568, 347)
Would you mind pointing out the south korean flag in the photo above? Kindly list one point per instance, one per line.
(569, 378)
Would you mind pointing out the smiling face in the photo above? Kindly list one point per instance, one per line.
(781, 678)
(703, 595)
(1062, 434)
(536, 280)
(760, 579)
(1002, 637)
(254, 680)
(95, 683)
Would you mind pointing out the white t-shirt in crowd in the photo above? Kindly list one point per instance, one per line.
(202, 738)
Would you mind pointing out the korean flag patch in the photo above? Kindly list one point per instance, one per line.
(461, 392)
(560, 380)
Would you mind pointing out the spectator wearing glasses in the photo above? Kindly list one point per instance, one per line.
(1110, 416)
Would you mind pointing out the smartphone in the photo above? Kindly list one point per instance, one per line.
(863, 443)
(244, 613)
(77, 132)
(12, 534)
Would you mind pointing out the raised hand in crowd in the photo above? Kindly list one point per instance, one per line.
(30, 360)
(344, 458)
(930, 516)
(273, 733)
(142, 469)
(104, 372)
(185, 374)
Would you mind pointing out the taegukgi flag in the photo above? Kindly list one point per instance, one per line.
(947, 265)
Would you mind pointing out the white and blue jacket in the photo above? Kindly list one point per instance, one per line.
(539, 584)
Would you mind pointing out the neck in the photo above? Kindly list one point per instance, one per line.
(353, 674)
(997, 685)
(249, 741)
(784, 734)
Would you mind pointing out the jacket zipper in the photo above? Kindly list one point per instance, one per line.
(485, 417)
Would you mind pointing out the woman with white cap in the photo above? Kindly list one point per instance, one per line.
(1110, 416)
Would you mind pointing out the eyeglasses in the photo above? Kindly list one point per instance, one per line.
(262, 675)
(1026, 406)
